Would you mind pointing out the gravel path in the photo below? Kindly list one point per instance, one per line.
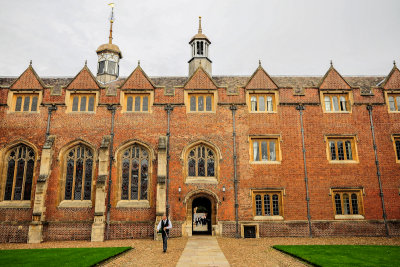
(259, 252)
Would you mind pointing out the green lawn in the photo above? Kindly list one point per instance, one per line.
(58, 256)
(345, 255)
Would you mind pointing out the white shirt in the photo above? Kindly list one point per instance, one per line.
(168, 227)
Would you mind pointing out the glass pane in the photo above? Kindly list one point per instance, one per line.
(343, 103)
(275, 204)
(208, 103)
(10, 178)
(129, 102)
(391, 103)
(333, 150)
(18, 103)
(111, 67)
(28, 179)
(338, 204)
(201, 103)
(69, 179)
(340, 150)
(83, 103)
(78, 179)
(327, 103)
(272, 151)
(192, 167)
(145, 103)
(125, 179)
(346, 204)
(135, 179)
(91, 103)
(75, 103)
(354, 203)
(335, 103)
(210, 167)
(144, 179)
(201, 167)
(192, 103)
(398, 149)
(253, 103)
(258, 205)
(270, 106)
(349, 155)
(101, 67)
(267, 206)
(255, 151)
(264, 151)
(19, 177)
(137, 103)
(261, 103)
(27, 100)
(398, 103)
(88, 179)
(34, 103)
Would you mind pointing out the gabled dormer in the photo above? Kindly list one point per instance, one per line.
(335, 92)
(83, 92)
(137, 92)
(26, 92)
(200, 92)
(199, 44)
(391, 87)
(261, 92)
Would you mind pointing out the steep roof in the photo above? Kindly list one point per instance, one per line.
(200, 79)
(84, 80)
(28, 80)
(392, 81)
(333, 80)
(261, 80)
(137, 80)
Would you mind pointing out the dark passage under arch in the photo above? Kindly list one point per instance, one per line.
(201, 215)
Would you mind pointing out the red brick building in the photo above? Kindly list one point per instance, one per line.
(89, 158)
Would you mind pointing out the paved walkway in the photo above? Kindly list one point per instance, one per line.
(202, 251)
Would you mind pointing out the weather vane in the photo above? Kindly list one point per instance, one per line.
(111, 22)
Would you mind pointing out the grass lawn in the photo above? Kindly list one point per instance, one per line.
(345, 255)
(58, 256)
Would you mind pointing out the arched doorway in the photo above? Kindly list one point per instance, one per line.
(201, 215)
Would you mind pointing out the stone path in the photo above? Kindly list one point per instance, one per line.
(202, 251)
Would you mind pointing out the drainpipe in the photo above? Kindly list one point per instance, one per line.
(300, 108)
(168, 108)
(50, 110)
(378, 173)
(111, 108)
(235, 181)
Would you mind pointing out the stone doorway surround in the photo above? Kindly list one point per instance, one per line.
(188, 201)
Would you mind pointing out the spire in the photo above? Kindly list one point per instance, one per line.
(200, 30)
(111, 22)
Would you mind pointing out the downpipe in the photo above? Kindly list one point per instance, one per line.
(235, 180)
(111, 108)
(168, 108)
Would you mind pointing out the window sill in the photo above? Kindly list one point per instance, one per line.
(349, 217)
(143, 204)
(81, 112)
(201, 180)
(75, 204)
(15, 204)
(201, 112)
(336, 112)
(343, 161)
(135, 112)
(263, 112)
(24, 112)
(268, 218)
(265, 162)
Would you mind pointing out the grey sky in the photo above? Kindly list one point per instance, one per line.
(291, 37)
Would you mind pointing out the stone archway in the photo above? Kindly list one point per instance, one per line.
(187, 227)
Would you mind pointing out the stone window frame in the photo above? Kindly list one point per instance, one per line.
(62, 202)
(117, 201)
(3, 175)
(278, 150)
(191, 92)
(263, 92)
(395, 94)
(359, 191)
(347, 94)
(270, 191)
(12, 97)
(200, 179)
(396, 138)
(342, 137)
(69, 95)
(137, 92)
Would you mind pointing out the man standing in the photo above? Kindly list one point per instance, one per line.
(164, 225)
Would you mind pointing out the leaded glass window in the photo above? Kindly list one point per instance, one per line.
(20, 167)
(347, 202)
(341, 149)
(137, 103)
(25, 102)
(83, 102)
(198, 157)
(79, 173)
(258, 205)
(397, 144)
(338, 204)
(264, 149)
(267, 203)
(262, 102)
(201, 102)
(135, 173)
(394, 102)
(336, 102)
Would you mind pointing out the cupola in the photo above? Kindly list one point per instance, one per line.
(199, 44)
(108, 57)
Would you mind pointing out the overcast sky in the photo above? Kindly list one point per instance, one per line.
(290, 37)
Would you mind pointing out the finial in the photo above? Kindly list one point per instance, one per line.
(259, 62)
(111, 22)
(200, 30)
(394, 63)
(30, 62)
(331, 63)
(138, 62)
(86, 62)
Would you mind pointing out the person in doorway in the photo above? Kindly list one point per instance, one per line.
(164, 225)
